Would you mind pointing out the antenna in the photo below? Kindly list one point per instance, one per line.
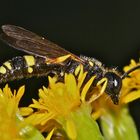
(129, 71)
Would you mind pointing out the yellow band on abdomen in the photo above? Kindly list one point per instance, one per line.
(30, 60)
(2, 70)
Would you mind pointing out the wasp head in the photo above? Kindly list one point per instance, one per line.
(113, 86)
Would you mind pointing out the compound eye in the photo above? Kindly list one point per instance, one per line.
(113, 86)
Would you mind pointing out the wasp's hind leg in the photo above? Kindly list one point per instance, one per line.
(103, 83)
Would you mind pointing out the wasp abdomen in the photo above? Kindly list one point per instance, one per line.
(25, 67)
(12, 69)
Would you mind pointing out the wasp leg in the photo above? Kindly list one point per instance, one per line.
(104, 82)
(61, 59)
(58, 59)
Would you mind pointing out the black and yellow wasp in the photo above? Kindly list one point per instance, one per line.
(47, 57)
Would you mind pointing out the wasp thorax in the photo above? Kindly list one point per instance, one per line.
(113, 86)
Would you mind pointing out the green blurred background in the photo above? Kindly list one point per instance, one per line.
(105, 29)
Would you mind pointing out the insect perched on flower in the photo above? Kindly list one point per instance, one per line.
(47, 57)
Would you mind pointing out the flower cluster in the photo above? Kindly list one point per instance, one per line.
(9, 129)
(66, 110)
(131, 84)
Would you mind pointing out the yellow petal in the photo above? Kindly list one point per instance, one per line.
(7, 91)
(77, 70)
(20, 94)
(131, 96)
(11, 107)
(24, 111)
(131, 65)
(81, 80)
(86, 88)
(43, 93)
(70, 84)
(52, 81)
(35, 119)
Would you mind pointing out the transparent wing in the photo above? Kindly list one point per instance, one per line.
(29, 42)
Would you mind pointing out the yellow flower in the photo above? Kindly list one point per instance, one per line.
(116, 122)
(59, 101)
(131, 85)
(130, 91)
(9, 129)
(12, 124)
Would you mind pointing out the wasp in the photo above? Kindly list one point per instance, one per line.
(47, 57)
